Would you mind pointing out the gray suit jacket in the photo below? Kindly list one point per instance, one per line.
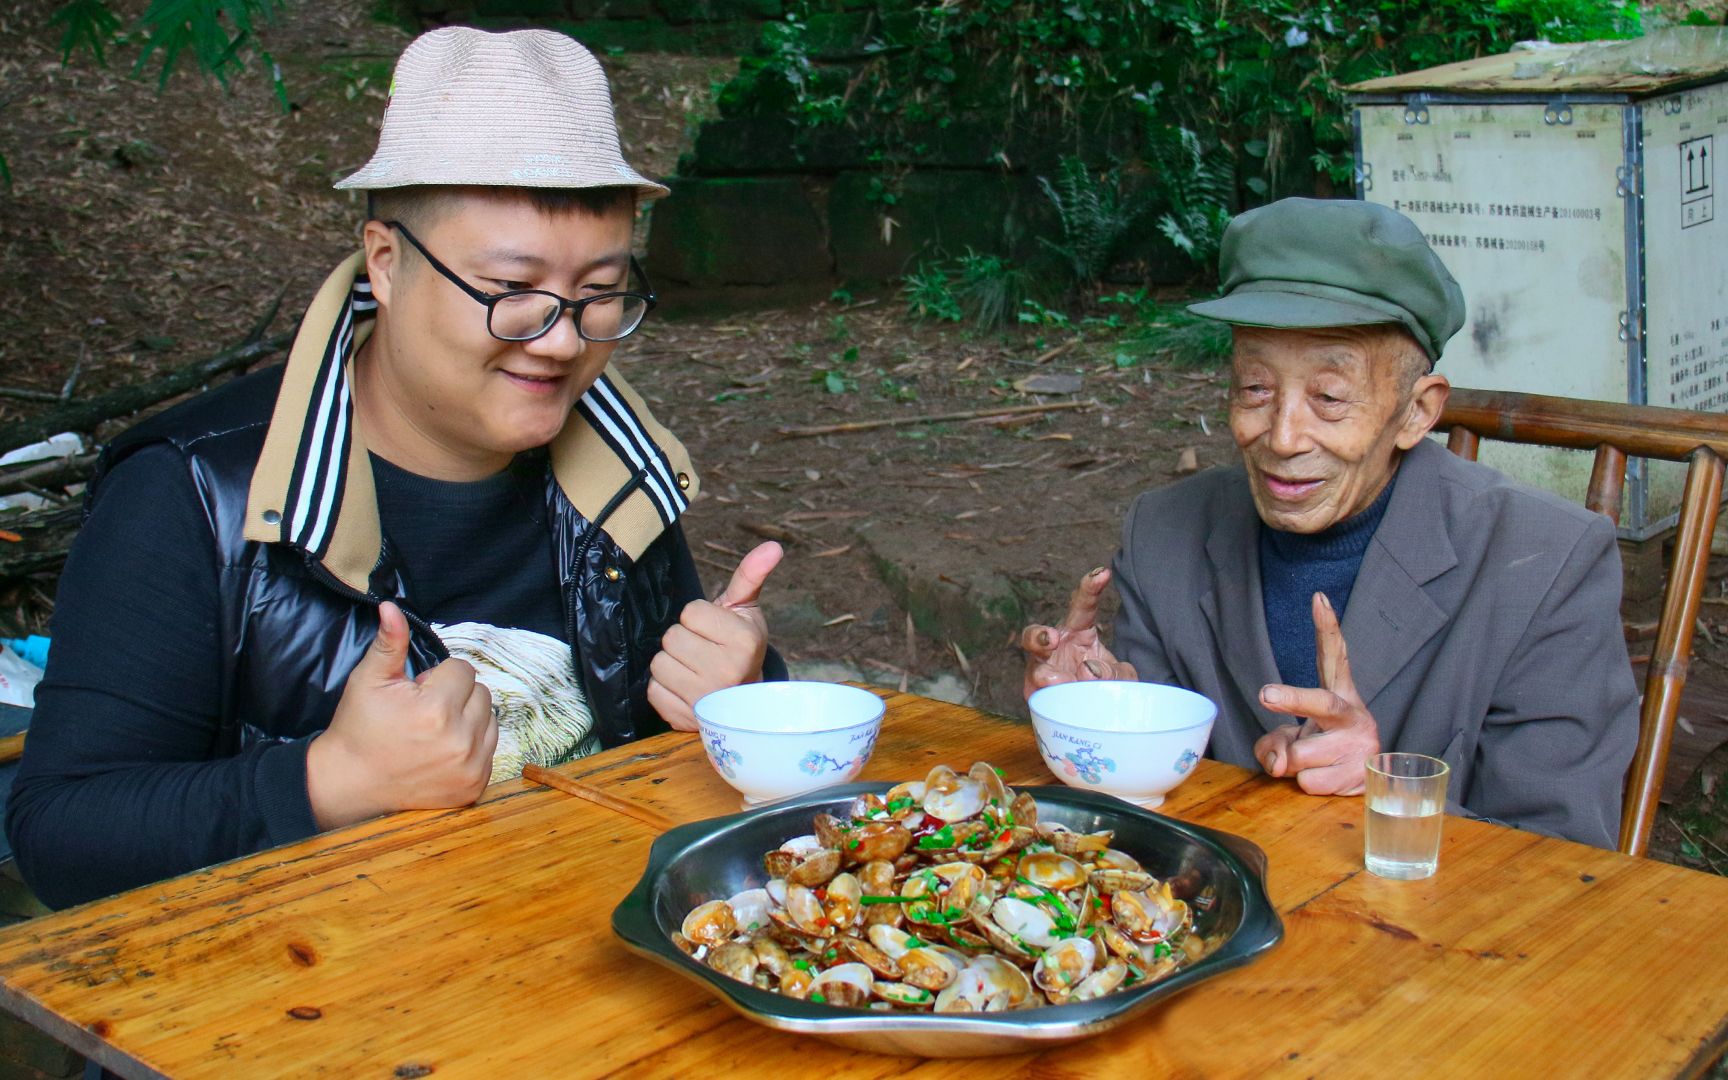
(1484, 629)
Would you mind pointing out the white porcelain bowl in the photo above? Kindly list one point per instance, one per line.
(1133, 740)
(774, 740)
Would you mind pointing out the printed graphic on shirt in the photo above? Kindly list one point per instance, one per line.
(542, 716)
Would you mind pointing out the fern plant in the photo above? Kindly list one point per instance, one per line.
(986, 288)
(219, 34)
(1095, 213)
(1199, 185)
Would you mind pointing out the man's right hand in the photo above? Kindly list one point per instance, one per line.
(1072, 652)
(397, 743)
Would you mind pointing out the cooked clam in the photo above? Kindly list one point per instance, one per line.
(711, 923)
(948, 895)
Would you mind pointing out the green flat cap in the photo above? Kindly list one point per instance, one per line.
(1334, 262)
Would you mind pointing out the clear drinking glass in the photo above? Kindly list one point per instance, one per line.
(1405, 800)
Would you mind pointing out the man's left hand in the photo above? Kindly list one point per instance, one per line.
(1328, 753)
(715, 644)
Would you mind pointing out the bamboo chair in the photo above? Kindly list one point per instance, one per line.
(1615, 432)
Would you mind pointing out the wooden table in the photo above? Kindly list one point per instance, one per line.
(476, 942)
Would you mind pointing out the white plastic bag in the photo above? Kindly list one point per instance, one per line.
(66, 444)
(18, 679)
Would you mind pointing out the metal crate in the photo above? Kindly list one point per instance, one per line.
(1572, 191)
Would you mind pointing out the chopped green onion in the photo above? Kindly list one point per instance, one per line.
(999, 772)
(1160, 950)
(941, 838)
(886, 899)
(816, 996)
(801, 965)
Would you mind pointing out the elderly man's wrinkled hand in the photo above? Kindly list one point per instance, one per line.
(1071, 651)
(1329, 751)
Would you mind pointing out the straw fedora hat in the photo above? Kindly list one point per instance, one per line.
(525, 108)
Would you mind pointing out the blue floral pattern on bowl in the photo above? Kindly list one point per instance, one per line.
(1086, 764)
(725, 760)
(817, 763)
(1186, 761)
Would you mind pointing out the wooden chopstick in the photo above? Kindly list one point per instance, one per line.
(539, 774)
(11, 748)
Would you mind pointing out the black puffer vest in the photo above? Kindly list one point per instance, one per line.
(303, 564)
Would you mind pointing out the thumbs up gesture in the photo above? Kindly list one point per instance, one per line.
(397, 743)
(715, 644)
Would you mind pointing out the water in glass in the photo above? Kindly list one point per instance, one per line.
(1403, 840)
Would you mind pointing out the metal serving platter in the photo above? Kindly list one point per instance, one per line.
(722, 856)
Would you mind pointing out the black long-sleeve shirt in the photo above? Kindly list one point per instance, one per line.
(119, 786)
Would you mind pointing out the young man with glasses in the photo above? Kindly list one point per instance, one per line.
(442, 541)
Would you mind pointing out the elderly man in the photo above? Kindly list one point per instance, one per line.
(442, 542)
(1352, 587)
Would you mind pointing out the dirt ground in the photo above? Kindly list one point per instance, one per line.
(145, 230)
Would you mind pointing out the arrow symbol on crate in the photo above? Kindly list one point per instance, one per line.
(1697, 169)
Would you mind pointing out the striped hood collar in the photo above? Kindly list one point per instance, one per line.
(312, 488)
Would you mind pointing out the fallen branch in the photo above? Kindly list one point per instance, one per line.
(23, 393)
(86, 415)
(769, 531)
(48, 474)
(78, 368)
(903, 421)
(1051, 354)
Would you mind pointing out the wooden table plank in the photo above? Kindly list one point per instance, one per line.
(1317, 881)
(479, 946)
(477, 943)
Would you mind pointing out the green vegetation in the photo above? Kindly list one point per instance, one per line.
(1175, 113)
(220, 36)
(989, 290)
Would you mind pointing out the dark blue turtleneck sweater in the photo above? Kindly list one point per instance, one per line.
(1295, 566)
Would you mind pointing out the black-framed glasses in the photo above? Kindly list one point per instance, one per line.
(527, 314)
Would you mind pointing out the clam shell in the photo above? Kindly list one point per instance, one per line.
(750, 909)
(1064, 966)
(844, 906)
(905, 994)
(1103, 981)
(734, 961)
(1051, 870)
(845, 985)
(928, 968)
(1028, 922)
(710, 923)
(818, 869)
